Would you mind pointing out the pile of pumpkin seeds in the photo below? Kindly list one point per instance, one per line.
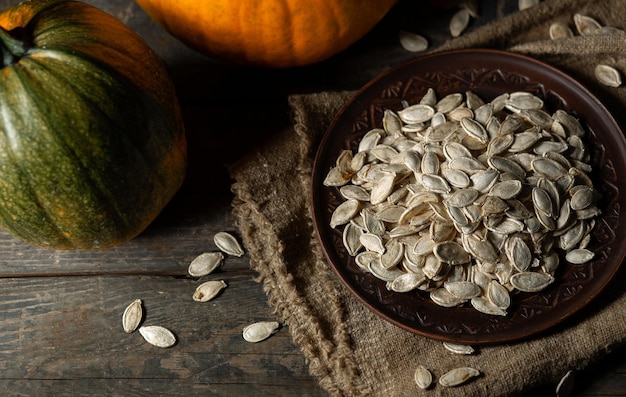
(467, 200)
(202, 265)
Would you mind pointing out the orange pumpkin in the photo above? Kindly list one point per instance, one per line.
(270, 33)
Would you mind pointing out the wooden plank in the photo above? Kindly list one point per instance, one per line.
(152, 387)
(69, 328)
(184, 230)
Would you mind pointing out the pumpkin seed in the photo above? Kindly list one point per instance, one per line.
(506, 165)
(430, 163)
(443, 298)
(412, 42)
(559, 31)
(565, 387)
(208, 290)
(435, 183)
(525, 4)
(452, 150)
(451, 252)
(132, 317)
(372, 242)
(449, 102)
(380, 272)
(582, 198)
(260, 331)
(542, 201)
(523, 100)
(483, 305)
(518, 253)
(458, 376)
(586, 25)
(462, 197)
(392, 123)
(475, 129)
(406, 282)
(531, 281)
(467, 164)
(459, 22)
(158, 336)
(498, 295)
(423, 377)
(418, 113)
(384, 153)
(571, 125)
(462, 289)
(429, 98)
(370, 139)
(608, 75)
(205, 263)
(579, 256)
(228, 244)
(344, 212)
(382, 189)
(456, 178)
(351, 238)
(457, 348)
(506, 190)
(393, 254)
(499, 144)
(354, 192)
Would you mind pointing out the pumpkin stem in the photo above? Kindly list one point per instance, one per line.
(11, 48)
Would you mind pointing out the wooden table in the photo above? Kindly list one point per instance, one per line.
(60, 322)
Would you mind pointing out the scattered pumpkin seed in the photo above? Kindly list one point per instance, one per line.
(228, 244)
(132, 317)
(525, 4)
(158, 336)
(458, 376)
(559, 30)
(412, 42)
(565, 387)
(586, 25)
(260, 331)
(608, 76)
(459, 22)
(205, 264)
(208, 290)
(457, 348)
(471, 6)
(423, 377)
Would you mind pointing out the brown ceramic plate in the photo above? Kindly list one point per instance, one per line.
(488, 73)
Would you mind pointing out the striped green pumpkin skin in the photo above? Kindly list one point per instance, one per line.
(91, 148)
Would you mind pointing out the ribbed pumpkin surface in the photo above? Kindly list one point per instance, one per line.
(92, 145)
(271, 33)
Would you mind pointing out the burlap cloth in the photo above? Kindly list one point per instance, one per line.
(351, 350)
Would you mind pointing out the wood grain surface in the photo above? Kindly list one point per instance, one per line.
(60, 311)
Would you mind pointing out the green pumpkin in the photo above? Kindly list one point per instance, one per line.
(92, 145)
